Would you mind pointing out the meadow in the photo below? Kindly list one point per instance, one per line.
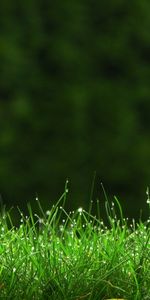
(62, 255)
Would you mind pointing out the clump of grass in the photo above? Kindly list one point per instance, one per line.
(74, 256)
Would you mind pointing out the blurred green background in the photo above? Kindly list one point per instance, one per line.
(74, 99)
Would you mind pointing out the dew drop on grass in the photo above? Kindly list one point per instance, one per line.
(48, 212)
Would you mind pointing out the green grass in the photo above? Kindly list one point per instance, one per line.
(74, 256)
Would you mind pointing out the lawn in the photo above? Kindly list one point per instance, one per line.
(73, 255)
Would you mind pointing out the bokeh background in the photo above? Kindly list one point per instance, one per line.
(75, 99)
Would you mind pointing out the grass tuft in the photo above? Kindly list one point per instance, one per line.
(74, 255)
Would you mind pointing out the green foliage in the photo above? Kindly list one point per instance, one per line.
(74, 95)
(73, 255)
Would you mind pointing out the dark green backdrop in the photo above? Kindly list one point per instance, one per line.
(74, 99)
